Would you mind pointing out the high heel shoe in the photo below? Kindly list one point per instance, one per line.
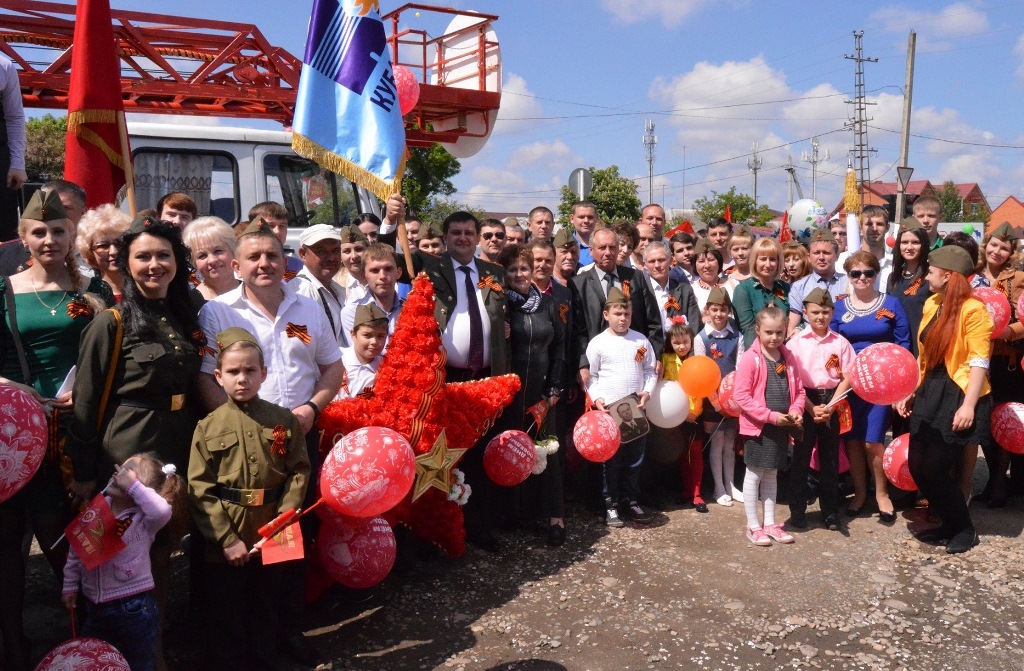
(887, 518)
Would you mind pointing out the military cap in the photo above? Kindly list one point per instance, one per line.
(351, 234)
(565, 240)
(257, 225)
(951, 257)
(819, 296)
(615, 295)
(1005, 232)
(234, 335)
(822, 235)
(718, 296)
(703, 246)
(44, 207)
(909, 224)
(366, 314)
(429, 231)
(142, 222)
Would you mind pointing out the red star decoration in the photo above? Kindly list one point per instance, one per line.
(411, 396)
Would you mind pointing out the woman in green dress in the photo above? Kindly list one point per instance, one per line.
(44, 310)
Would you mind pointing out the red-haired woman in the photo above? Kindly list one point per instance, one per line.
(954, 345)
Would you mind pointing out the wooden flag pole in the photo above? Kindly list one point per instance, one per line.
(403, 240)
(126, 157)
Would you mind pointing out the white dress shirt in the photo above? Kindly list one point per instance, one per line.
(455, 337)
(330, 297)
(358, 375)
(14, 113)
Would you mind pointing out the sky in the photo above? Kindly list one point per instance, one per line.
(580, 77)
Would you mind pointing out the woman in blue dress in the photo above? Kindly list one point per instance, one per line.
(865, 317)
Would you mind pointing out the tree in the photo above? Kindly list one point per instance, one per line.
(428, 173)
(438, 209)
(44, 147)
(952, 205)
(740, 205)
(614, 195)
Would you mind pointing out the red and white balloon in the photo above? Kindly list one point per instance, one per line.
(357, 555)
(368, 472)
(408, 89)
(509, 458)
(22, 439)
(596, 436)
(84, 654)
(730, 408)
(1008, 426)
(895, 464)
(884, 373)
(998, 308)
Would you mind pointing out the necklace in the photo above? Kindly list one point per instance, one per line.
(51, 308)
(853, 312)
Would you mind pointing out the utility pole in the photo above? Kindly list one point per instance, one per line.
(814, 158)
(859, 124)
(754, 164)
(650, 140)
(908, 94)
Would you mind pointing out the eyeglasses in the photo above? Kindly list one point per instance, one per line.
(496, 234)
(857, 274)
(104, 246)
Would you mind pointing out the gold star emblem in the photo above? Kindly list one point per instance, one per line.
(434, 469)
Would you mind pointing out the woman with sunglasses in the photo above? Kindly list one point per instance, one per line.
(865, 317)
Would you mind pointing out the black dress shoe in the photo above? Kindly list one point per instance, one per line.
(700, 507)
(935, 536)
(887, 518)
(962, 542)
(301, 651)
(484, 540)
(556, 535)
(832, 522)
(798, 519)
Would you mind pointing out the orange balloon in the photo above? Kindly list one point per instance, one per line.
(699, 376)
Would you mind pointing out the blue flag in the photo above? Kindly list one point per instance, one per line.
(347, 116)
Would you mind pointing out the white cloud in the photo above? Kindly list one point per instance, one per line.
(957, 20)
(518, 104)
(552, 155)
(1018, 51)
(670, 12)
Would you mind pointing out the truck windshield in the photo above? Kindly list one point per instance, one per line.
(312, 194)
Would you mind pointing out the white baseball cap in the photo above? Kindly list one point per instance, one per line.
(316, 233)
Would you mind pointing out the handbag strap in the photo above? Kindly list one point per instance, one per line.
(115, 354)
(12, 319)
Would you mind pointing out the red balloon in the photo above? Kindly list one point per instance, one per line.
(890, 241)
(357, 555)
(1008, 426)
(368, 472)
(408, 89)
(84, 654)
(729, 407)
(699, 376)
(884, 373)
(596, 436)
(998, 308)
(894, 463)
(1020, 306)
(22, 439)
(509, 458)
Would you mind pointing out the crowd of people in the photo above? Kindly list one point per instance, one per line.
(183, 364)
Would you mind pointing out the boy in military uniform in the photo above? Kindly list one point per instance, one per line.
(362, 359)
(248, 465)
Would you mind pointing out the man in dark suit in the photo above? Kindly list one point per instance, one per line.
(590, 290)
(470, 310)
(672, 297)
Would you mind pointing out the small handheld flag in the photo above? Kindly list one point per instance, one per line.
(93, 535)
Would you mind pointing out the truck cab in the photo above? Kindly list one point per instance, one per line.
(226, 170)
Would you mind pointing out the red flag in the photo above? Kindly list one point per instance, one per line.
(728, 214)
(785, 235)
(94, 535)
(284, 546)
(93, 156)
(685, 227)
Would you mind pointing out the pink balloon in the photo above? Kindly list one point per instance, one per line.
(84, 654)
(730, 408)
(1020, 306)
(408, 89)
(998, 308)
(596, 436)
(884, 373)
(1008, 426)
(894, 463)
(509, 458)
(22, 439)
(357, 555)
(368, 472)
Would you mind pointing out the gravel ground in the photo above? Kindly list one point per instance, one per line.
(688, 592)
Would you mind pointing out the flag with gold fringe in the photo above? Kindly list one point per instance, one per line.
(347, 116)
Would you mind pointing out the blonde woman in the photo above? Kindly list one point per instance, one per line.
(98, 231)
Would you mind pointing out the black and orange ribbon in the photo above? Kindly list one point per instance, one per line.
(833, 365)
(625, 288)
(298, 331)
(672, 303)
(289, 275)
(199, 337)
(780, 294)
(563, 313)
(885, 312)
(280, 438)
(716, 351)
(122, 525)
(640, 354)
(78, 309)
(780, 368)
(490, 283)
(912, 289)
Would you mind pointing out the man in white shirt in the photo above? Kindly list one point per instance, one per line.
(320, 252)
(12, 148)
(353, 244)
(672, 297)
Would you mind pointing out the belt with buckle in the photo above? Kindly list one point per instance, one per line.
(173, 403)
(248, 497)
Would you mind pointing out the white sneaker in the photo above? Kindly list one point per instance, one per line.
(737, 494)
(724, 500)
(612, 519)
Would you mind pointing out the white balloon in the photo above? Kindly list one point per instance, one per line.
(805, 217)
(668, 406)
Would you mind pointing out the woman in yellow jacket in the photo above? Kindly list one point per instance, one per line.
(955, 341)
